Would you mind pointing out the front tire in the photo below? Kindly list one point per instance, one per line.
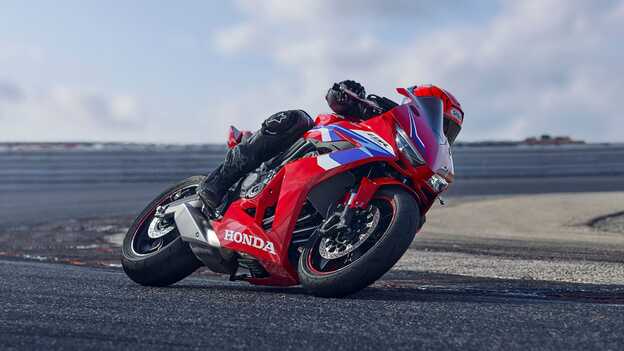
(400, 220)
(163, 261)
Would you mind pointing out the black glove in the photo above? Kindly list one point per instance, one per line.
(343, 104)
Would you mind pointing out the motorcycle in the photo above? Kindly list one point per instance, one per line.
(332, 213)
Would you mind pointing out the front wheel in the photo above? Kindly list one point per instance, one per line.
(335, 266)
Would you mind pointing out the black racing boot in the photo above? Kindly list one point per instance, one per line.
(212, 189)
(238, 161)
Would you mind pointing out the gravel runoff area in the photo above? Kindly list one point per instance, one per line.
(530, 237)
(553, 237)
(611, 223)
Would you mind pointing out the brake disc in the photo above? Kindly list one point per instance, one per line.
(332, 247)
(157, 230)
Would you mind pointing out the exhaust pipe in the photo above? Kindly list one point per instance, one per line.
(192, 224)
(195, 229)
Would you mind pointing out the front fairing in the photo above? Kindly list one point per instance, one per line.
(422, 119)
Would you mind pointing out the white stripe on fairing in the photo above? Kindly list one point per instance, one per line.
(326, 162)
(376, 139)
(367, 151)
(325, 134)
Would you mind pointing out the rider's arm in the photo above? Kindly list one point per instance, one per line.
(348, 98)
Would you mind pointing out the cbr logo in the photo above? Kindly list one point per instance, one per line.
(250, 240)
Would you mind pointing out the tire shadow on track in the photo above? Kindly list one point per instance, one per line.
(412, 286)
(426, 286)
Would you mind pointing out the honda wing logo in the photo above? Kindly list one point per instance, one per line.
(250, 240)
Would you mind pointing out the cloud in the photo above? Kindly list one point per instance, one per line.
(98, 109)
(20, 51)
(62, 113)
(519, 68)
(46, 110)
(535, 66)
(10, 92)
(234, 39)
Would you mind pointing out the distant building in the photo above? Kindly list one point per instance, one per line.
(549, 140)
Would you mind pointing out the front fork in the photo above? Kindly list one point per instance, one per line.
(357, 201)
(341, 218)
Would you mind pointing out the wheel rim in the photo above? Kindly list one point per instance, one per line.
(141, 243)
(329, 255)
(335, 247)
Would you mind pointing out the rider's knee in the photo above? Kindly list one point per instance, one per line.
(287, 122)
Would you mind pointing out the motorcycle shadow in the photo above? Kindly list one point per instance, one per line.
(435, 287)
(411, 286)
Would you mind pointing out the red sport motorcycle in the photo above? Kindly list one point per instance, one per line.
(333, 213)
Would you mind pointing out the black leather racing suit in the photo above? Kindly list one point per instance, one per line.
(278, 133)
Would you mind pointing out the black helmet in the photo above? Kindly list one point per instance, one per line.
(341, 102)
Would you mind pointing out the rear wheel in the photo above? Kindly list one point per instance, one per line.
(166, 259)
(343, 263)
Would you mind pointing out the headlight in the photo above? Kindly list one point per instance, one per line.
(438, 183)
(407, 147)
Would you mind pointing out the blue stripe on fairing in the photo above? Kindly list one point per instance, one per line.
(347, 156)
(414, 132)
(367, 148)
(365, 142)
(412, 122)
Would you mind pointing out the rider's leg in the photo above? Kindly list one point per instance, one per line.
(278, 132)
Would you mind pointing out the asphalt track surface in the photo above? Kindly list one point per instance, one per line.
(59, 307)
(56, 306)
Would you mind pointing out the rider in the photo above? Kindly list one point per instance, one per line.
(282, 129)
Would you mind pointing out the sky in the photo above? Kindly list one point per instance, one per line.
(182, 72)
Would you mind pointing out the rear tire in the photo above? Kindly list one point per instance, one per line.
(171, 262)
(376, 261)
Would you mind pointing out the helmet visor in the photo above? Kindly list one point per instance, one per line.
(451, 130)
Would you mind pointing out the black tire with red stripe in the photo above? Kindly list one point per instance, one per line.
(395, 238)
(171, 262)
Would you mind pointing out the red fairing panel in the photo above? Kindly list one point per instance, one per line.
(287, 191)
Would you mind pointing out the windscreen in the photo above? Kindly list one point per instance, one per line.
(432, 109)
